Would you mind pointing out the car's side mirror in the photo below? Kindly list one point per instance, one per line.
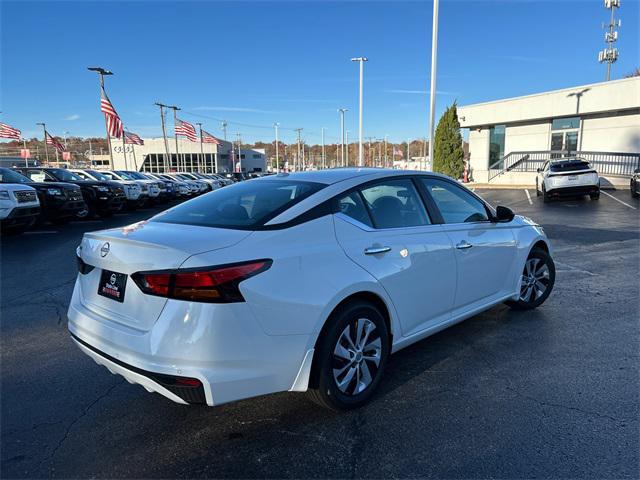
(504, 214)
(538, 170)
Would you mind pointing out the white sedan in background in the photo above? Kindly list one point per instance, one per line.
(297, 282)
(565, 177)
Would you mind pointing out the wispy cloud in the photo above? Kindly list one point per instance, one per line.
(419, 92)
(73, 117)
(231, 109)
(519, 58)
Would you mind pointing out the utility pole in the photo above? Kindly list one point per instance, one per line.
(239, 139)
(223, 125)
(361, 60)
(610, 54)
(298, 130)
(370, 158)
(434, 62)
(124, 149)
(342, 137)
(324, 158)
(276, 125)
(201, 148)
(346, 138)
(167, 161)
(175, 135)
(102, 72)
(386, 161)
(46, 149)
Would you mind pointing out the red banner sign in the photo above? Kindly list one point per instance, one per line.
(24, 153)
(66, 156)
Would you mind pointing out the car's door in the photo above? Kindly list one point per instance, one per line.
(485, 250)
(384, 227)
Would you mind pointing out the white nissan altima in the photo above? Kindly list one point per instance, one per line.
(305, 281)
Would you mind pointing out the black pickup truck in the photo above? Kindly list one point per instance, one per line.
(102, 198)
(59, 201)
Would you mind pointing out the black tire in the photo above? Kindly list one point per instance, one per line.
(535, 299)
(323, 385)
(537, 189)
(594, 196)
(633, 188)
(545, 197)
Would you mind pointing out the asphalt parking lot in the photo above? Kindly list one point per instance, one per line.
(547, 393)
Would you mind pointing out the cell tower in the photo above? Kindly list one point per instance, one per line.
(610, 54)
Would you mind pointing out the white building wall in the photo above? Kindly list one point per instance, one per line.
(533, 136)
(479, 154)
(611, 134)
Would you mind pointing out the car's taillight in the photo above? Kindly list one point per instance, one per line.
(219, 284)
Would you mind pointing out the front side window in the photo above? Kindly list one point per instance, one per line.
(241, 206)
(394, 204)
(455, 204)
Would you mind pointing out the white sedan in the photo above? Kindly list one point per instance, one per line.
(297, 282)
(565, 177)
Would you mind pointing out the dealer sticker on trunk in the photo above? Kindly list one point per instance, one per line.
(112, 285)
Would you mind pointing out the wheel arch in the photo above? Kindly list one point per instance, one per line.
(364, 295)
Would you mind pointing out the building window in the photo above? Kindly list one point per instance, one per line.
(257, 155)
(565, 123)
(496, 146)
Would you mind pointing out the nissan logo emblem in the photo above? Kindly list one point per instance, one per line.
(104, 251)
(112, 279)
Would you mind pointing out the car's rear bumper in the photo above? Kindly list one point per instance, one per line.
(576, 190)
(221, 345)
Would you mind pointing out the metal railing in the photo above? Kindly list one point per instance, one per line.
(605, 163)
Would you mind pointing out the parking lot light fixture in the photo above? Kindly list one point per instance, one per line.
(361, 60)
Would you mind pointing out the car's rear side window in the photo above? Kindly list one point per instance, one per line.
(244, 205)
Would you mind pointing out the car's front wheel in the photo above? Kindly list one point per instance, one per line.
(350, 358)
(538, 278)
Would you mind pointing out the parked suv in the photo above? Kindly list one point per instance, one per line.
(59, 201)
(567, 177)
(132, 190)
(153, 186)
(19, 207)
(102, 198)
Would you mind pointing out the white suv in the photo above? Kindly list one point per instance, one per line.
(565, 177)
(19, 207)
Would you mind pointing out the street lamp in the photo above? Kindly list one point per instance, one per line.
(102, 72)
(361, 60)
(342, 111)
(434, 61)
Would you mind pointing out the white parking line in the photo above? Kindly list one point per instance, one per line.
(528, 196)
(619, 201)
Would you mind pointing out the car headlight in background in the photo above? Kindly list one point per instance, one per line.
(4, 195)
(54, 191)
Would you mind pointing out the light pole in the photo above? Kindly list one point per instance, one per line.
(434, 61)
(175, 135)
(386, 162)
(361, 60)
(223, 125)
(342, 138)
(102, 72)
(276, 125)
(46, 150)
(201, 149)
(346, 139)
(298, 130)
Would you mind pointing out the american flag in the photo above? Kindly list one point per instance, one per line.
(7, 131)
(52, 141)
(132, 138)
(185, 129)
(208, 138)
(114, 124)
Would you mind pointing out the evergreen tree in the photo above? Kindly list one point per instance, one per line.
(447, 149)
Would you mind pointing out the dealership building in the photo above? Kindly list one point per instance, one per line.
(510, 138)
(152, 157)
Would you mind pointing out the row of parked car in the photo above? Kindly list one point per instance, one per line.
(33, 195)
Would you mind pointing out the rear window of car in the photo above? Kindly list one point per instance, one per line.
(569, 165)
(241, 206)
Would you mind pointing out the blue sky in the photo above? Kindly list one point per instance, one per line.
(254, 63)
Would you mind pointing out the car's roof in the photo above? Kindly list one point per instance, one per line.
(335, 175)
(568, 159)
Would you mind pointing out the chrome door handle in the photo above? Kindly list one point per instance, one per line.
(374, 250)
(463, 245)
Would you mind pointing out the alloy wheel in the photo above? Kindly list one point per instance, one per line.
(535, 280)
(356, 356)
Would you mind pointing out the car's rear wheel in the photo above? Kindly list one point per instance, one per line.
(537, 189)
(634, 189)
(538, 278)
(594, 196)
(350, 358)
(545, 197)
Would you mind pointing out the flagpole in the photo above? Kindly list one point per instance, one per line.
(106, 125)
(46, 149)
(135, 163)
(26, 161)
(167, 160)
(201, 148)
